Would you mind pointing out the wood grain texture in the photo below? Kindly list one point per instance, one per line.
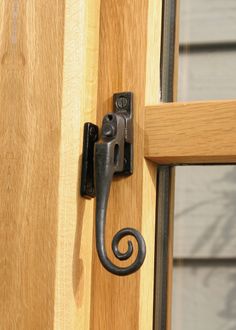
(48, 89)
(197, 132)
(152, 96)
(127, 302)
(153, 57)
(31, 60)
(75, 218)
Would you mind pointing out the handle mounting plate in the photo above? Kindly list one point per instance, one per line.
(87, 186)
(123, 104)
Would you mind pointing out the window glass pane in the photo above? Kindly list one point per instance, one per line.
(204, 276)
(207, 66)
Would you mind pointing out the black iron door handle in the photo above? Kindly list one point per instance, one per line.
(113, 156)
(109, 159)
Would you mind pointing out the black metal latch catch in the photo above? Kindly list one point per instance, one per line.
(101, 160)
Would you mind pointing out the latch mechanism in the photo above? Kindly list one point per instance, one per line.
(112, 156)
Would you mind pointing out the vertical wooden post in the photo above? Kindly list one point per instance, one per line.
(129, 60)
(31, 62)
(48, 89)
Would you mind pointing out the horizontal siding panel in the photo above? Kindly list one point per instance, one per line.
(206, 21)
(207, 75)
(205, 212)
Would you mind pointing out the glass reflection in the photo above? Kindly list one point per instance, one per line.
(204, 277)
(207, 66)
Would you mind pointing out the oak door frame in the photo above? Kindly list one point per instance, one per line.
(64, 60)
(129, 60)
(48, 89)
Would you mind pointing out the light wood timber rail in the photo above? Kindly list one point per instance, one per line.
(194, 132)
